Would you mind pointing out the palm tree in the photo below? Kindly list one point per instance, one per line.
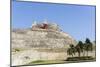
(71, 50)
(84, 49)
(79, 47)
(88, 46)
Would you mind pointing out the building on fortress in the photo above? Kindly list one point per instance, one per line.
(45, 25)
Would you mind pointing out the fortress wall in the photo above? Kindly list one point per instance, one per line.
(28, 56)
(35, 44)
(40, 39)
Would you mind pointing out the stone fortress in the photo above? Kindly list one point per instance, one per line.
(43, 41)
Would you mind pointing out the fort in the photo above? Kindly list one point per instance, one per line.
(43, 41)
(45, 25)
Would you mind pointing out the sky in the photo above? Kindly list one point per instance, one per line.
(76, 20)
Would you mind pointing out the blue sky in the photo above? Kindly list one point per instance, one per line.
(77, 20)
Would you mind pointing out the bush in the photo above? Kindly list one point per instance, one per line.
(17, 50)
(80, 58)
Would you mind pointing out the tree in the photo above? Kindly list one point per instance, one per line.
(88, 46)
(79, 47)
(84, 49)
(71, 50)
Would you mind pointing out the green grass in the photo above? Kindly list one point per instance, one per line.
(17, 50)
(69, 60)
(38, 61)
(46, 62)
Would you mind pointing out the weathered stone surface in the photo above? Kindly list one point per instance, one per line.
(26, 56)
(41, 38)
(31, 45)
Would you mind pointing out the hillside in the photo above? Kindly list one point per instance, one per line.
(39, 44)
